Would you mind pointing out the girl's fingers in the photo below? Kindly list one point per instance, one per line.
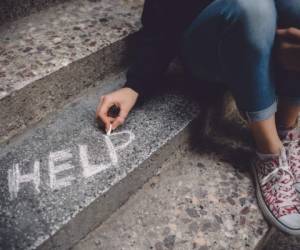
(281, 31)
(102, 112)
(290, 33)
(120, 119)
(117, 122)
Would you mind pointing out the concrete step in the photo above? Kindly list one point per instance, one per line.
(200, 199)
(14, 9)
(63, 177)
(50, 57)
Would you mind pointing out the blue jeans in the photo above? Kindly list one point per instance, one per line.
(231, 42)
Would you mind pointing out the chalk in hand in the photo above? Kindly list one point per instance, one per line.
(109, 130)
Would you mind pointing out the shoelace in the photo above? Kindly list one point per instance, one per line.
(278, 187)
(292, 146)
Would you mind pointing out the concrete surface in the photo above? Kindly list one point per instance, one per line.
(51, 56)
(198, 201)
(63, 177)
(14, 9)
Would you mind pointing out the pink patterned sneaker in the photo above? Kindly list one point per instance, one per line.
(291, 142)
(276, 193)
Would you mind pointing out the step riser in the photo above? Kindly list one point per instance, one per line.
(103, 207)
(44, 96)
(13, 9)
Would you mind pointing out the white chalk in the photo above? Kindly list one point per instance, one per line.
(109, 130)
(15, 178)
(64, 157)
(112, 149)
(88, 168)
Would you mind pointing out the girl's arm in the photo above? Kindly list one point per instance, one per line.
(155, 50)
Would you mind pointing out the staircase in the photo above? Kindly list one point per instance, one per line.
(61, 176)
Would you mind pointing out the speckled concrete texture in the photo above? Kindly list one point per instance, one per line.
(51, 56)
(62, 178)
(40, 44)
(13, 9)
(198, 201)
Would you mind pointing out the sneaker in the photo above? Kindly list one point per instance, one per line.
(291, 142)
(276, 193)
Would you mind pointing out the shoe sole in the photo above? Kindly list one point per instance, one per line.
(266, 211)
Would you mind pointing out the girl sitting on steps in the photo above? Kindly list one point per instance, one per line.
(232, 42)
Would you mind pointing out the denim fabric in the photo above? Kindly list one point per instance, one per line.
(231, 41)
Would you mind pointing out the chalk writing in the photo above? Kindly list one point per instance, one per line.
(15, 179)
(90, 170)
(60, 162)
(59, 156)
(112, 149)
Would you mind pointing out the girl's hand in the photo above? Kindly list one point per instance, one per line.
(124, 99)
(288, 49)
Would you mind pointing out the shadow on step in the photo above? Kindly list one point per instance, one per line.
(219, 128)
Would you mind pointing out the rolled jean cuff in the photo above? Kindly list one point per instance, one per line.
(260, 115)
(295, 101)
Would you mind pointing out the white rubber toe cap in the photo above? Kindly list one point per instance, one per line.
(291, 221)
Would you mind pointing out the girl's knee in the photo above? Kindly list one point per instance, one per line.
(255, 20)
(254, 12)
